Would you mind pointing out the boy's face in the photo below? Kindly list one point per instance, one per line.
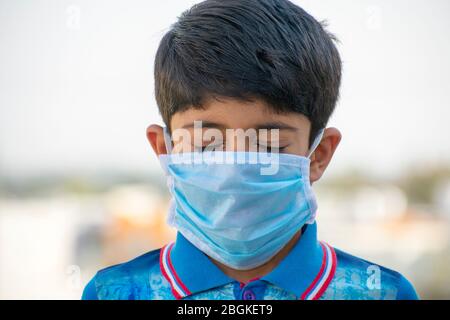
(220, 115)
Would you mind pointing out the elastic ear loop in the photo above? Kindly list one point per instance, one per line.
(167, 140)
(316, 142)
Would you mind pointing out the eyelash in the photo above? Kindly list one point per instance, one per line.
(280, 149)
(269, 149)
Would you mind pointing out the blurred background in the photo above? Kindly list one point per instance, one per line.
(80, 188)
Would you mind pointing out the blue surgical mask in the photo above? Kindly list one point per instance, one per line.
(234, 213)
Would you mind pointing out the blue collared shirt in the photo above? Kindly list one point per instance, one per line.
(311, 270)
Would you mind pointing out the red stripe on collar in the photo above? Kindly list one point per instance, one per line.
(331, 275)
(179, 290)
(327, 269)
(177, 278)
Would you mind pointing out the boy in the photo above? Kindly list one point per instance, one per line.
(253, 66)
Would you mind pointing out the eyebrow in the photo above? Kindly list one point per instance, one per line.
(276, 125)
(267, 125)
(205, 124)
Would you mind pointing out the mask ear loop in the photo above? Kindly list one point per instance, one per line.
(167, 140)
(316, 142)
(172, 205)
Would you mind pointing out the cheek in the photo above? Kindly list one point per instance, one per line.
(182, 145)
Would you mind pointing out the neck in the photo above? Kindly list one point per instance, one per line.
(245, 276)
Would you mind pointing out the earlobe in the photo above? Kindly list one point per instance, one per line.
(155, 136)
(321, 158)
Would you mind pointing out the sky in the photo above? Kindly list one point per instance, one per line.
(76, 83)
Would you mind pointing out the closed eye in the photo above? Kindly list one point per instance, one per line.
(271, 149)
(220, 146)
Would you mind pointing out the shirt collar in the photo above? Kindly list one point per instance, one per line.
(308, 268)
(306, 271)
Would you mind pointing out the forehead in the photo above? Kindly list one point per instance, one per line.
(228, 113)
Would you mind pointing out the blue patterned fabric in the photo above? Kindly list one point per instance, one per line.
(311, 270)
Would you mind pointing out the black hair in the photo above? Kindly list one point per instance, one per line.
(266, 49)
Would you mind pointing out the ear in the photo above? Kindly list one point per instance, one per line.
(324, 152)
(155, 135)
